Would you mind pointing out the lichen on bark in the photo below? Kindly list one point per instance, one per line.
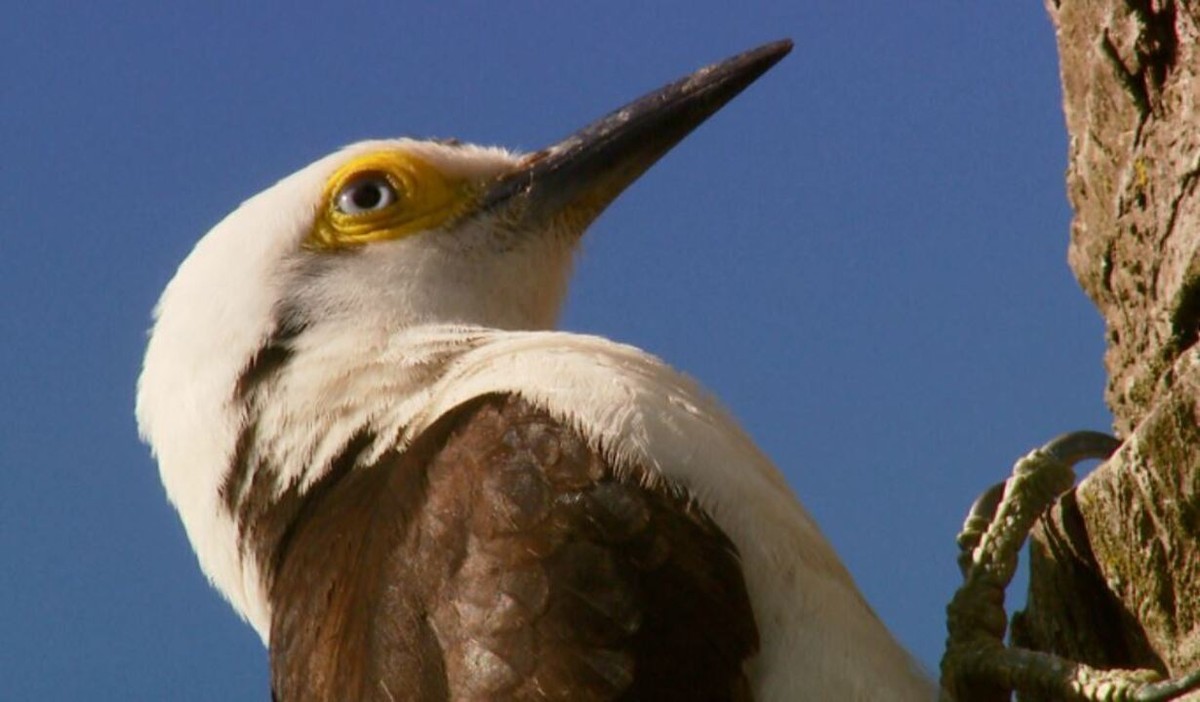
(1115, 567)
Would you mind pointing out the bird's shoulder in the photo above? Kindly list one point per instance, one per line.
(500, 556)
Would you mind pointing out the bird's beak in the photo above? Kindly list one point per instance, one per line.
(574, 180)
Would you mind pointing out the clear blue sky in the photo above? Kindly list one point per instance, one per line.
(863, 255)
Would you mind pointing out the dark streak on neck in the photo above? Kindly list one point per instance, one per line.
(263, 366)
(265, 515)
(273, 355)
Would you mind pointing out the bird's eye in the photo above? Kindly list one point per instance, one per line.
(368, 193)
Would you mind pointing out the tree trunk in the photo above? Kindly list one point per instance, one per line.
(1115, 568)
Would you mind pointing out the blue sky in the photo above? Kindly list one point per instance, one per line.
(863, 256)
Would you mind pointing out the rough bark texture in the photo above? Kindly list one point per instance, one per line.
(1116, 567)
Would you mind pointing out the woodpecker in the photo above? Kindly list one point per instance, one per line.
(414, 488)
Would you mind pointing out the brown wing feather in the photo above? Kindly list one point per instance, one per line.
(499, 558)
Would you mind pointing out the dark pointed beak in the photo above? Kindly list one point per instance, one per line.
(574, 180)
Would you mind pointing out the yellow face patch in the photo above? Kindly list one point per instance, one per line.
(386, 195)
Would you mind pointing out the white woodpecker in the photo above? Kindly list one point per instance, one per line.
(412, 487)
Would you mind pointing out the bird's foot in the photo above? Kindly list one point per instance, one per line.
(977, 666)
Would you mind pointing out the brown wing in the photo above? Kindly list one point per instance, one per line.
(499, 558)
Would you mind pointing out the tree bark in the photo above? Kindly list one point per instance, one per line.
(1115, 566)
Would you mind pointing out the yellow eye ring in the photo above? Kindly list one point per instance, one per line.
(386, 195)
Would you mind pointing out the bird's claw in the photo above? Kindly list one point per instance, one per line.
(977, 666)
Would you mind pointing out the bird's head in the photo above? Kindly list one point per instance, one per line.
(374, 239)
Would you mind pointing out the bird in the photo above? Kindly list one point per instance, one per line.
(413, 486)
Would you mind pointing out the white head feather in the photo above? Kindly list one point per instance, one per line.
(226, 301)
